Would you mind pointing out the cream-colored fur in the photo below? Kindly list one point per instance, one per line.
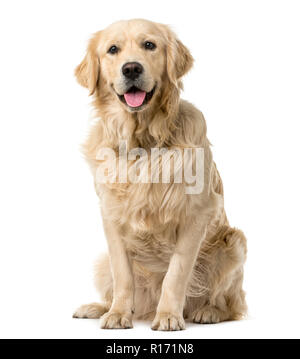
(172, 255)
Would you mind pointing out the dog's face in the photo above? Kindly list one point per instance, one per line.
(133, 60)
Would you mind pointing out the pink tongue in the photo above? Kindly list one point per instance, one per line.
(135, 99)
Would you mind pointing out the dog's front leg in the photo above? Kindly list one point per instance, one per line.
(122, 308)
(169, 313)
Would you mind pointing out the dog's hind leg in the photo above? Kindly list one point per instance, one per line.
(91, 311)
(222, 262)
(104, 285)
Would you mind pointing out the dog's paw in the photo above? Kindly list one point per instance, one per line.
(114, 320)
(168, 322)
(207, 315)
(90, 311)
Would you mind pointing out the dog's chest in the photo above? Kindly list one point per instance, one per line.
(152, 250)
(144, 208)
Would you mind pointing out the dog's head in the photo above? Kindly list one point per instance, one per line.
(134, 61)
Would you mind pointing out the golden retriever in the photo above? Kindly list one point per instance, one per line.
(172, 253)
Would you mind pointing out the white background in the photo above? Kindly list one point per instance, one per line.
(246, 80)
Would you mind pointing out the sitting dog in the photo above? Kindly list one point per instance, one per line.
(172, 253)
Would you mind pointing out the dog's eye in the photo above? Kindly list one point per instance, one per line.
(113, 50)
(149, 46)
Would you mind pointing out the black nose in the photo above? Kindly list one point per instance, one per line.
(132, 70)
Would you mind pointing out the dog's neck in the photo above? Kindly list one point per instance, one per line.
(153, 127)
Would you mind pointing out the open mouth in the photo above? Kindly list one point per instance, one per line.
(136, 98)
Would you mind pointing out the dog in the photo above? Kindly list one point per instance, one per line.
(173, 257)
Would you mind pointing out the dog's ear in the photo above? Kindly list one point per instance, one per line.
(88, 71)
(179, 58)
